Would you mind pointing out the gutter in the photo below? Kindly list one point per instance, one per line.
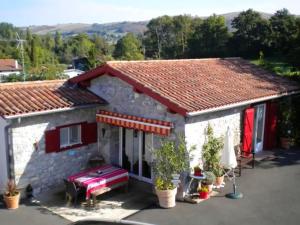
(50, 111)
(196, 113)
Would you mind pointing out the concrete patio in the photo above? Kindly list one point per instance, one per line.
(271, 196)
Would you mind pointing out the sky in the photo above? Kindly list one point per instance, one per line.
(50, 12)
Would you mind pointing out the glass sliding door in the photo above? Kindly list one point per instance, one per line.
(135, 154)
(259, 127)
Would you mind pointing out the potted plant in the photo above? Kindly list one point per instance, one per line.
(197, 171)
(11, 196)
(285, 124)
(204, 192)
(209, 180)
(170, 159)
(219, 173)
(211, 154)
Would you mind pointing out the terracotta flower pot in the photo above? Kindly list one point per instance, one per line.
(210, 188)
(12, 202)
(285, 142)
(166, 198)
(219, 180)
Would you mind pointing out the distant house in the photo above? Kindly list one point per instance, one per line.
(81, 63)
(9, 66)
(124, 109)
(72, 72)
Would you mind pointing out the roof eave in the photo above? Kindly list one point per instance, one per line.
(240, 104)
(39, 113)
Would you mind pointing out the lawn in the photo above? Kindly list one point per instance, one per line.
(279, 67)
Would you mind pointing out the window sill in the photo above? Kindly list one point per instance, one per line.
(67, 147)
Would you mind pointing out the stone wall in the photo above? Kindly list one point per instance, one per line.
(123, 99)
(195, 129)
(31, 165)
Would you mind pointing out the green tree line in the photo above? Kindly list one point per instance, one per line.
(166, 37)
(189, 37)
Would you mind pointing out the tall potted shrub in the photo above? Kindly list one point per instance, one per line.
(170, 159)
(285, 123)
(211, 154)
(11, 196)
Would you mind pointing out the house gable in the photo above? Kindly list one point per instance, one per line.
(197, 85)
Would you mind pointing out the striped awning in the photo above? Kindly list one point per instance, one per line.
(133, 122)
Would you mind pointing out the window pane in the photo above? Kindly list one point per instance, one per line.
(75, 134)
(64, 136)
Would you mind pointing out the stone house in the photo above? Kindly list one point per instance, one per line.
(47, 132)
(136, 104)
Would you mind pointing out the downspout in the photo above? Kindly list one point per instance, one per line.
(9, 153)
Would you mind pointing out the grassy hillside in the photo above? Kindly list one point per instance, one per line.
(111, 31)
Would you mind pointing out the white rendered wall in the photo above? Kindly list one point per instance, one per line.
(195, 129)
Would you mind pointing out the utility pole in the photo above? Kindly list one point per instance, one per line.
(21, 47)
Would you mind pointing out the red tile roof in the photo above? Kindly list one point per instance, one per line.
(36, 96)
(193, 85)
(9, 65)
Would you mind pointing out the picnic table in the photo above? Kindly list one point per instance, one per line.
(100, 179)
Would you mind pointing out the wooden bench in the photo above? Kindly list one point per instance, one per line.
(103, 190)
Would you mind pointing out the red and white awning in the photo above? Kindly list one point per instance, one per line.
(134, 122)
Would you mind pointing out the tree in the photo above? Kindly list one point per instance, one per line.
(284, 30)
(251, 35)
(58, 42)
(159, 38)
(294, 52)
(182, 30)
(209, 38)
(128, 48)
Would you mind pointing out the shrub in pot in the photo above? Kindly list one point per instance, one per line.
(285, 124)
(170, 159)
(210, 178)
(219, 173)
(11, 196)
(211, 153)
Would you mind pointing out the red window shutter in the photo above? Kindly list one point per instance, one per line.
(248, 131)
(270, 125)
(52, 141)
(89, 133)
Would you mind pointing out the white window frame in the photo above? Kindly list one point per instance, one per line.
(68, 144)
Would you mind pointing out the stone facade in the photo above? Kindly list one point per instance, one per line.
(195, 129)
(31, 165)
(123, 99)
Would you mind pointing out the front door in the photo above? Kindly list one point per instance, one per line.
(259, 125)
(135, 155)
